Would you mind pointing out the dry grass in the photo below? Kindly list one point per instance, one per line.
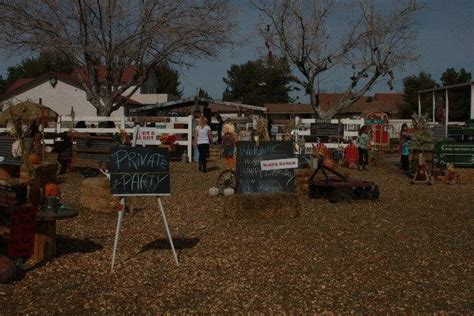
(410, 251)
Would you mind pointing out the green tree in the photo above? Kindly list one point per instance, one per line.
(36, 66)
(203, 94)
(168, 79)
(459, 101)
(450, 76)
(3, 84)
(258, 82)
(411, 86)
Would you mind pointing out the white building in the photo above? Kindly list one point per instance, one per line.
(61, 92)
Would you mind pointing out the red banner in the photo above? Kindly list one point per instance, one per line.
(22, 231)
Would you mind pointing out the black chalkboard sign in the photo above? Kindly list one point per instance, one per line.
(250, 176)
(139, 171)
(326, 129)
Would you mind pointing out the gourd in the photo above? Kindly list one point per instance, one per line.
(51, 190)
(213, 191)
(34, 159)
(229, 192)
(329, 163)
(5, 172)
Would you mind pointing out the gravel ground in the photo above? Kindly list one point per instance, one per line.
(410, 251)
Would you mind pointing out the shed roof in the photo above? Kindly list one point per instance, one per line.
(186, 102)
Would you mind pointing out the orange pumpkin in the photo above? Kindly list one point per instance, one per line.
(329, 163)
(34, 159)
(5, 172)
(51, 190)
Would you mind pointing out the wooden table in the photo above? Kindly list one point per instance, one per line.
(45, 238)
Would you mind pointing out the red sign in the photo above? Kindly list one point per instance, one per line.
(22, 231)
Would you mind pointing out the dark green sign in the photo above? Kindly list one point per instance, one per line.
(373, 122)
(459, 153)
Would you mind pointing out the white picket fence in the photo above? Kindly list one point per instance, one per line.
(64, 123)
(350, 126)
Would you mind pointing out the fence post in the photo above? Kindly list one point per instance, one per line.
(58, 125)
(122, 121)
(190, 138)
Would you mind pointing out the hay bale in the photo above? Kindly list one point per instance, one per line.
(302, 184)
(95, 195)
(301, 173)
(467, 175)
(262, 206)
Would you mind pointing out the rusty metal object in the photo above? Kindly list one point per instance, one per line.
(339, 188)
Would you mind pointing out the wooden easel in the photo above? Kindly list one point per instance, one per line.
(122, 210)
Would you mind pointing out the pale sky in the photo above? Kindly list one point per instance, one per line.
(445, 39)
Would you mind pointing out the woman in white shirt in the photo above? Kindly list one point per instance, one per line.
(202, 141)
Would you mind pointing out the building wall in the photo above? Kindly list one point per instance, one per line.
(150, 98)
(60, 99)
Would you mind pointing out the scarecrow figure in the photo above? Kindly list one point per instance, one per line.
(228, 144)
(452, 177)
(422, 174)
(351, 155)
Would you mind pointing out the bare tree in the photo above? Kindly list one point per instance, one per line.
(105, 38)
(372, 43)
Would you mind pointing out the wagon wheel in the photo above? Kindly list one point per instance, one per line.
(226, 180)
(314, 192)
(342, 194)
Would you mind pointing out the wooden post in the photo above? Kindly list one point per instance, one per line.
(434, 107)
(419, 104)
(45, 241)
(446, 115)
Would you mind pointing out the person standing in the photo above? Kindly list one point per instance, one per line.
(405, 157)
(362, 142)
(404, 138)
(195, 123)
(202, 140)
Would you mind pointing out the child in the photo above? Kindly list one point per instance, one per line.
(404, 137)
(362, 142)
(405, 154)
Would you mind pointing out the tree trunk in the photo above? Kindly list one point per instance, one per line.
(103, 111)
(315, 104)
(102, 108)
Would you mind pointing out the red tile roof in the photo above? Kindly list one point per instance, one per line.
(19, 83)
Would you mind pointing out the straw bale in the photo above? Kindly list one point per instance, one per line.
(303, 172)
(467, 175)
(95, 195)
(262, 206)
